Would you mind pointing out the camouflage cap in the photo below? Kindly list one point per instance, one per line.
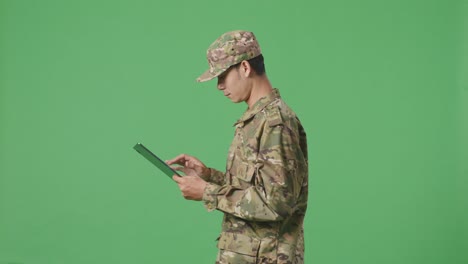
(229, 49)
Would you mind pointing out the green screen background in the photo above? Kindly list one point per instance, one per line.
(380, 86)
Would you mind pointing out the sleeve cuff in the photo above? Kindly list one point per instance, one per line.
(210, 196)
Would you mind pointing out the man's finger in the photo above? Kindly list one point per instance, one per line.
(177, 179)
(178, 168)
(179, 160)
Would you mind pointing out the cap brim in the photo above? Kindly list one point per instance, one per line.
(207, 75)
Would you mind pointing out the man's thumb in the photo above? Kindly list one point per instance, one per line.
(176, 178)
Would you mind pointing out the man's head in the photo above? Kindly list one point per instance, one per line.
(228, 50)
(236, 59)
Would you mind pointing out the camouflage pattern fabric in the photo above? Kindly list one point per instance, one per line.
(264, 190)
(229, 49)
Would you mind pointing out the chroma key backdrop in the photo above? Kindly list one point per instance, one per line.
(381, 88)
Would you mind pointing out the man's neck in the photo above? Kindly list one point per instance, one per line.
(261, 87)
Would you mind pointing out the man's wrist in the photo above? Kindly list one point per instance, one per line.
(206, 174)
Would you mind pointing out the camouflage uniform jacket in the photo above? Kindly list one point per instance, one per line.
(263, 193)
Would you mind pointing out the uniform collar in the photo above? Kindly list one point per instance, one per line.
(258, 106)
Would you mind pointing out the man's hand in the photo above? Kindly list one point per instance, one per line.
(192, 187)
(189, 165)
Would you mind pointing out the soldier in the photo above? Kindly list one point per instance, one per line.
(263, 192)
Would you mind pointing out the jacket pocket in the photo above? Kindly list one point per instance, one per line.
(239, 243)
(244, 174)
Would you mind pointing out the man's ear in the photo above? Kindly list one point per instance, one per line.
(245, 69)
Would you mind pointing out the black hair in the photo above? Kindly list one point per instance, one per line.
(257, 64)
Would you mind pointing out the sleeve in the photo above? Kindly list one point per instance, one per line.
(275, 188)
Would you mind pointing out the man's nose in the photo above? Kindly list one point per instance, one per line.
(220, 85)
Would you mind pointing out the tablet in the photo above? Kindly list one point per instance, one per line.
(155, 160)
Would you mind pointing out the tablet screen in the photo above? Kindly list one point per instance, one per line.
(155, 160)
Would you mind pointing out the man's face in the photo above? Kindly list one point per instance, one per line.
(233, 85)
